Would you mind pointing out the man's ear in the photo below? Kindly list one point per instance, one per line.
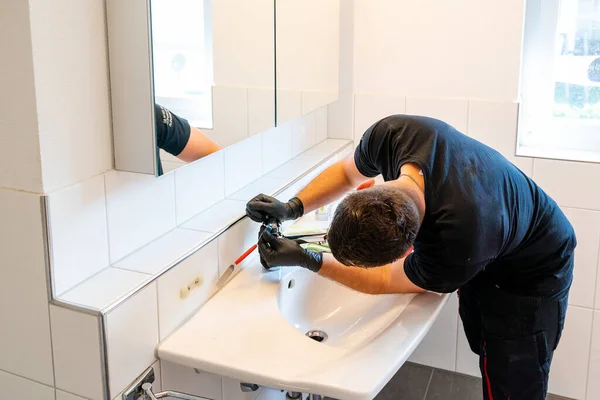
(366, 184)
(410, 250)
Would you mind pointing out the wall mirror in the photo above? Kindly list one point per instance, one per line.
(307, 49)
(210, 62)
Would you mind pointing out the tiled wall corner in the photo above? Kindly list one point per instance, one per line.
(453, 111)
(173, 310)
(79, 233)
(199, 186)
(182, 379)
(140, 208)
(438, 348)
(131, 338)
(303, 134)
(20, 163)
(77, 353)
(243, 164)
(69, 43)
(370, 108)
(16, 388)
(25, 339)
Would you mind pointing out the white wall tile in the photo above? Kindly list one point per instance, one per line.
(243, 164)
(140, 208)
(60, 395)
(370, 108)
(79, 233)
(452, 111)
(276, 147)
(172, 309)
(263, 185)
(340, 117)
(587, 228)
(289, 105)
(312, 100)
(169, 167)
(438, 348)
(261, 110)
(303, 134)
(235, 241)
(17, 388)
(568, 373)
(77, 356)
(71, 81)
(182, 379)
(132, 336)
(192, 182)
(321, 117)
(104, 288)
(232, 391)
(323, 150)
(230, 114)
(222, 214)
(467, 362)
(164, 251)
(25, 330)
(569, 183)
(20, 163)
(291, 169)
(593, 386)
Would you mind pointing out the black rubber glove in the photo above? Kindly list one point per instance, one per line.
(263, 207)
(281, 252)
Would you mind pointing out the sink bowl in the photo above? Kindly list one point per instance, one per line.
(343, 317)
(254, 330)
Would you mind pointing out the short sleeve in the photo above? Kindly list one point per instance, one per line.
(172, 132)
(438, 276)
(367, 152)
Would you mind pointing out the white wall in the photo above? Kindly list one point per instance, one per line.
(459, 61)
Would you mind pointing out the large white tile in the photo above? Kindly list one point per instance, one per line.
(452, 111)
(235, 242)
(243, 164)
(289, 105)
(370, 108)
(60, 395)
(292, 169)
(438, 348)
(312, 100)
(79, 233)
(323, 150)
(104, 288)
(230, 115)
(261, 110)
(24, 330)
(187, 380)
(17, 388)
(568, 374)
(199, 185)
(219, 216)
(164, 251)
(568, 182)
(276, 147)
(140, 208)
(321, 121)
(340, 117)
(173, 310)
(233, 391)
(77, 356)
(593, 386)
(71, 73)
(467, 362)
(132, 336)
(303, 134)
(262, 185)
(587, 228)
(20, 163)
(494, 123)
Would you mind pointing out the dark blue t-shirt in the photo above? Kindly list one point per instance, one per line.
(482, 212)
(172, 133)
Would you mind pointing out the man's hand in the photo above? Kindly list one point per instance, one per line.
(281, 252)
(263, 207)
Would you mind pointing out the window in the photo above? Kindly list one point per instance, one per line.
(183, 58)
(560, 87)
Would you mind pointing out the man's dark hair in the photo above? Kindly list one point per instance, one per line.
(373, 227)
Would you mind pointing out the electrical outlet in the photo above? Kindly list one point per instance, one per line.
(135, 392)
(185, 291)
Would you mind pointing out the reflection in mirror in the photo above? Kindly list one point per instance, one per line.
(307, 51)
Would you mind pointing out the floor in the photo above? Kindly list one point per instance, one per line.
(418, 382)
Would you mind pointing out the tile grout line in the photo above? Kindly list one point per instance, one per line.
(429, 384)
(27, 379)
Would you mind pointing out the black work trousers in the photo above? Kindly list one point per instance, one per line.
(514, 336)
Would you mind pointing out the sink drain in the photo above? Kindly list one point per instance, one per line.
(318, 336)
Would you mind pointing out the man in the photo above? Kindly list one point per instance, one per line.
(452, 214)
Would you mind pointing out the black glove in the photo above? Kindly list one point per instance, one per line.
(281, 252)
(263, 207)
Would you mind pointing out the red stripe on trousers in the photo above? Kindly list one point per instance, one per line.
(487, 378)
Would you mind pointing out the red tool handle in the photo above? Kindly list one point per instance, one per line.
(246, 254)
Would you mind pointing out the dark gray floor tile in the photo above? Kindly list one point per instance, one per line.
(409, 383)
(450, 386)
(555, 397)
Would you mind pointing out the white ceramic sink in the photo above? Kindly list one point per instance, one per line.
(254, 331)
